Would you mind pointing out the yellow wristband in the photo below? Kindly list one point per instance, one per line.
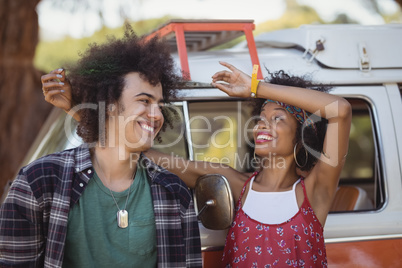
(254, 81)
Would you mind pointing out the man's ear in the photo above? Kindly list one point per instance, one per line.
(111, 109)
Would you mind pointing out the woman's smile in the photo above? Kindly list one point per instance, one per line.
(264, 136)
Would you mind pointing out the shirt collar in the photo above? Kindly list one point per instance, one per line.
(83, 162)
(82, 158)
(152, 169)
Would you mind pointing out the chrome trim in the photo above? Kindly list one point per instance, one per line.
(201, 94)
(362, 238)
(379, 178)
(379, 152)
(397, 87)
(186, 116)
(213, 248)
(194, 85)
(177, 103)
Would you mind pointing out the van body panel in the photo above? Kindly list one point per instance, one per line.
(365, 254)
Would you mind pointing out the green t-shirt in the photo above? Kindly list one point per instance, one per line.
(95, 240)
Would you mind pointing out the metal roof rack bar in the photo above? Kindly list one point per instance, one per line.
(199, 35)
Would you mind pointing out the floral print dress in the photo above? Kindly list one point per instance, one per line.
(298, 242)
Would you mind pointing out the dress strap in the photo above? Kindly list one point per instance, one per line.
(251, 179)
(294, 184)
(303, 186)
(306, 201)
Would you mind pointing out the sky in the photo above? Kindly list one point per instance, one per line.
(55, 23)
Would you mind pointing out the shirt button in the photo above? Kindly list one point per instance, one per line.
(89, 171)
(81, 184)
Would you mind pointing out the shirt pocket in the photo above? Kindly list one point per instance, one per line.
(142, 236)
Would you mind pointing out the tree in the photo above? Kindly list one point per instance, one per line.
(22, 110)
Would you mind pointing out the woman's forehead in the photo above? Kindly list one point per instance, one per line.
(270, 106)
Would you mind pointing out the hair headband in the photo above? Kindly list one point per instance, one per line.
(301, 115)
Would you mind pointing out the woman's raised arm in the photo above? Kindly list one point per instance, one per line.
(57, 91)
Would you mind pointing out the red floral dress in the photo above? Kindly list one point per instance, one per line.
(298, 242)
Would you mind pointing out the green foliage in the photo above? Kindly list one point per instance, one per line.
(54, 54)
(51, 55)
(393, 18)
(293, 17)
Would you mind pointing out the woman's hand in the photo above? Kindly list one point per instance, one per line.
(57, 89)
(238, 83)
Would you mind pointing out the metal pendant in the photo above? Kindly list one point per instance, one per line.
(122, 218)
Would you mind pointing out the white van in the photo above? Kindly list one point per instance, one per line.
(362, 63)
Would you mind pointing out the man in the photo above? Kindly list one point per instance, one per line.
(104, 203)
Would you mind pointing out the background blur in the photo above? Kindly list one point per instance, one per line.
(37, 36)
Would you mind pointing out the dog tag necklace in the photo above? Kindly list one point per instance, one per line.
(122, 214)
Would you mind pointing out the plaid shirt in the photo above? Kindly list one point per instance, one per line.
(33, 218)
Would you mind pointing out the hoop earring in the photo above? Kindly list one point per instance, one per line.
(254, 158)
(295, 157)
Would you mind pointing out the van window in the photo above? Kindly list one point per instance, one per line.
(221, 133)
(172, 140)
(360, 182)
(359, 164)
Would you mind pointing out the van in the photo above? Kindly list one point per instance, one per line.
(363, 64)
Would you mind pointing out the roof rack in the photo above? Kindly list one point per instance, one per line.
(200, 35)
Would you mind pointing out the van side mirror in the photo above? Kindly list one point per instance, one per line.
(214, 201)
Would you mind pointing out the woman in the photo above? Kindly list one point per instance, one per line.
(280, 215)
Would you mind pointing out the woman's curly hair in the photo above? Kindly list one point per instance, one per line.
(98, 77)
(304, 135)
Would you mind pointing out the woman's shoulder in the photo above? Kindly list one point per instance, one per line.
(239, 182)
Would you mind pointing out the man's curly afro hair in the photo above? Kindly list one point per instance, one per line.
(306, 135)
(98, 77)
